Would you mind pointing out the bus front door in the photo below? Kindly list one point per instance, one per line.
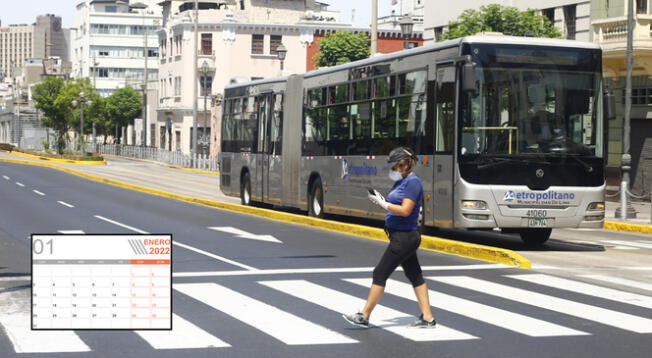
(444, 164)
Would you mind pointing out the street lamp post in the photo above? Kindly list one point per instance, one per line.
(407, 25)
(141, 6)
(95, 64)
(81, 102)
(281, 52)
(194, 78)
(204, 71)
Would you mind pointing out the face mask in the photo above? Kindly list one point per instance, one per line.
(394, 175)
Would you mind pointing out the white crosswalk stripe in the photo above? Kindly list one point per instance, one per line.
(184, 335)
(384, 317)
(587, 289)
(284, 326)
(592, 313)
(621, 281)
(512, 321)
(15, 318)
(641, 245)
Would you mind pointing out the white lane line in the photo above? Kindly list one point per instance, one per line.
(65, 204)
(592, 313)
(333, 270)
(587, 289)
(184, 335)
(71, 232)
(15, 278)
(121, 225)
(630, 243)
(187, 247)
(38, 192)
(206, 253)
(15, 318)
(621, 281)
(284, 326)
(6, 177)
(20, 184)
(383, 317)
(592, 268)
(518, 323)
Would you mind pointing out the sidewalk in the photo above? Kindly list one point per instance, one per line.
(206, 186)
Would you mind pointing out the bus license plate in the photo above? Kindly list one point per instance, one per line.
(537, 222)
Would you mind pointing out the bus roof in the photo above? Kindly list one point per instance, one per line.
(489, 39)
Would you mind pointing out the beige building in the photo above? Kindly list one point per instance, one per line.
(236, 39)
(572, 17)
(609, 29)
(42, 39)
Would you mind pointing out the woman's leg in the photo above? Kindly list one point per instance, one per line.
(424, 301)
(375, 293)
(412, 270)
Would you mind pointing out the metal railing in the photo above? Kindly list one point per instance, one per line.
(176, 158)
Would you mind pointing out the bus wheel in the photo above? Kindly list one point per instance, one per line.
(316, 200)
(245, 190)
(535, 236)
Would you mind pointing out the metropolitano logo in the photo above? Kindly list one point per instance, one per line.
(509, 196)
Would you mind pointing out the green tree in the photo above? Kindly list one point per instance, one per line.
(55, 116)
(92, 113)
(122, 107)
(505, 19)
(342, 47)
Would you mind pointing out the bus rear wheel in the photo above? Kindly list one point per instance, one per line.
(316, 200)
(534, 237)
(245, 189)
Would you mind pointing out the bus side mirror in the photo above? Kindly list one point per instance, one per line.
(609, 105)
(469, 81)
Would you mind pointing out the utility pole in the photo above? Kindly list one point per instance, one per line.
(374, 27)
(194, 83)
(145, 82)
(626, 210)
(95, 64)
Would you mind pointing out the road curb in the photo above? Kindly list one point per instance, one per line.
(192, 170)
(467, 250)
(621, 226)
(67, 161)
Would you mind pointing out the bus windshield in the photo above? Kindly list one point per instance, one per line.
(533, 103)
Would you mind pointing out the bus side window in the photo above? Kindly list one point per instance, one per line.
(445, 109)
(277, 126)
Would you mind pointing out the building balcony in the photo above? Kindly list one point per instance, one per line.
(208, 56)
(611, 35)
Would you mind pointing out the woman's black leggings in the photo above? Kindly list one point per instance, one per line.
(402, 250)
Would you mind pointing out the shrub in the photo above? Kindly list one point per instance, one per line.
(7, 147)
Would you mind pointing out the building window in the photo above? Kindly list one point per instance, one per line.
(438, 32)
(549, 14)
(570, 18)
(206, 44)
(110, 8)
(177, 86)
(206, 84)
(640, 96)
(641, 6)
(257, 44)
(274, 42)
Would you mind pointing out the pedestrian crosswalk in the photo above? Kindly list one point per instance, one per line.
(306, 312)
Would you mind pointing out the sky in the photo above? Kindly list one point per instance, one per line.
(25, 11)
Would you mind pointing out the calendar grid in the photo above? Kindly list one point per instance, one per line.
(101, 282)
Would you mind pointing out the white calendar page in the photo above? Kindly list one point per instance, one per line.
(101, 282)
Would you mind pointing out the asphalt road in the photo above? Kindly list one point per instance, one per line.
(241, 297)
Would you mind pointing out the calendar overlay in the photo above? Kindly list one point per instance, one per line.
(101, 282)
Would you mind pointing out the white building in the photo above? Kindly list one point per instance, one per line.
(572, 17)
(236, 39)
(413, 8)
(109, 37)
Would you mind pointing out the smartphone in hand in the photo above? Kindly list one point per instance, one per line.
(371, 191)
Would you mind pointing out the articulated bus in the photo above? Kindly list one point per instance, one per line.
(509, 131)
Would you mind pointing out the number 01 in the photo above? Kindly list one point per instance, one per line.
(39, 246)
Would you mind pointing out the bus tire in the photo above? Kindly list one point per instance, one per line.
(535, 237)
(245, 189)
(316, 200)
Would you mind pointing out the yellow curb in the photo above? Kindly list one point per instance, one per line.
(68, 161)
(474, 251)
(193, 170)
(621, 226)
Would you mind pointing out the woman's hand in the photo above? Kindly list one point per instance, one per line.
(379, 200)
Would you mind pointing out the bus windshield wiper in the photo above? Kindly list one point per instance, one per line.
(496, 161)
(585, 165)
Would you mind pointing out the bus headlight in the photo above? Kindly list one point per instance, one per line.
(474, 204)
(596, 207)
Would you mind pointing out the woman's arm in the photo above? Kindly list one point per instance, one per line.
(404, 210)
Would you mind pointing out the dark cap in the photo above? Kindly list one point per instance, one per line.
(400, 153)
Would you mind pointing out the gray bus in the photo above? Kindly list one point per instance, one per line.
(510, 134)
